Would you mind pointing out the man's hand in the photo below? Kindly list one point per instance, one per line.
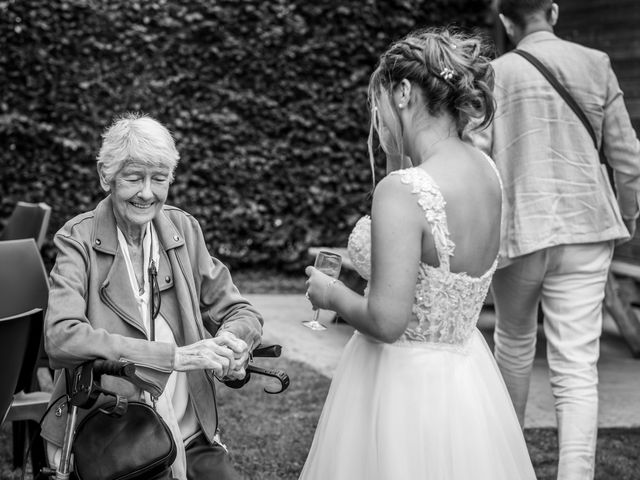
(631, 226)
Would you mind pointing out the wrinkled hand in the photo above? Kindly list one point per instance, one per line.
(318, 286)
(208, 354)
(240, 351)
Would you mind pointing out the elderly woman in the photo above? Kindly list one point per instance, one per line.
(101, 303)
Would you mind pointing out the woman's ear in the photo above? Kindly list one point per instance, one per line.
(103, 181)
(402, 94)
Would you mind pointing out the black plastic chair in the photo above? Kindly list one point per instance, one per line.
(24, 286)
(15, 348)
(28, 220)
(24, 283)
(19, 345)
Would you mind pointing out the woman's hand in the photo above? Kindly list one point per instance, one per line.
(240, 351)
(319, 286)
(208, 354)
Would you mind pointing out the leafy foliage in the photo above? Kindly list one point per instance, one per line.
(267, 101)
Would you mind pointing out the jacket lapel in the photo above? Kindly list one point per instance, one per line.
(116, 289)
(170, 239)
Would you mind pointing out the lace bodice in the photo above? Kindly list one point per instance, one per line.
(446, 304)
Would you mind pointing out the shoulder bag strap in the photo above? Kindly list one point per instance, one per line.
(564, 94)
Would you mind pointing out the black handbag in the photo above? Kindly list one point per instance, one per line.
(571, 102)
(133, 446)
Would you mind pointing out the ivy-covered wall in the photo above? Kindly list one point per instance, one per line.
(266, 98)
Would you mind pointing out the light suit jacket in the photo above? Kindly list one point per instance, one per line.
(555, 190)
(92, 312)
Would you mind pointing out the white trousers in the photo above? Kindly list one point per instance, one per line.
(569, 282)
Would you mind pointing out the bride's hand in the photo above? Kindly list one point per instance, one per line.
(319, 286)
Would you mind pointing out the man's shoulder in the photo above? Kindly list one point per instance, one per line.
(576, 51)
(565, 59)
(553, 50)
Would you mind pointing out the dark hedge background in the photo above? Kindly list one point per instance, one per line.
(267, 101)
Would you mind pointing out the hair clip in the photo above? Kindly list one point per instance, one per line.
(447, 74)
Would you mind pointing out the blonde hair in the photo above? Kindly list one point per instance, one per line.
(452, 71)
(136, 137)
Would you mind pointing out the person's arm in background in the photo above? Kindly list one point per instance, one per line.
(622, 149)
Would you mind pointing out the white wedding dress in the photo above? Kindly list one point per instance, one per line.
(431, 405)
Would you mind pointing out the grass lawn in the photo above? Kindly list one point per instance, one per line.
(269, 435)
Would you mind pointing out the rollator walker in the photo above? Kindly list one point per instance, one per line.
(83, 390)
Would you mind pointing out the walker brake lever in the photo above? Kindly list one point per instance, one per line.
(281, 376)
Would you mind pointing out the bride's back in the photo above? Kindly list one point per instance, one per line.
(472, 192)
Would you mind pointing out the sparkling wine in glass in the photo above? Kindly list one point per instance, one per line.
(328, 263)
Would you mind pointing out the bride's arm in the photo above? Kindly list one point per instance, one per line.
(397, 225)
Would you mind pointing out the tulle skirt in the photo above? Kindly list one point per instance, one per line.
(417, 411)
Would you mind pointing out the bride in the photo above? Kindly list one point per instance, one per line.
(417, 394)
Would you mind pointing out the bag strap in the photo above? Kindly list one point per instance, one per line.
(565, 95)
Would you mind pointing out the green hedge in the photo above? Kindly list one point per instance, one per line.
(267, 101)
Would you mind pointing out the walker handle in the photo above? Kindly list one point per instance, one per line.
(114, 367)
(271, 351)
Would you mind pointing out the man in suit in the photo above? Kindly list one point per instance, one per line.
(560, 218)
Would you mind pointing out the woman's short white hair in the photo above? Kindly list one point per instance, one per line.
(139, 138)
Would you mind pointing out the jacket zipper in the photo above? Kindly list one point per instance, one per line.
(105, 298)
(213, 388)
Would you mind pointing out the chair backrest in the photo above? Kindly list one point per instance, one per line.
(19, 341)
(28, 220)
(24, 283)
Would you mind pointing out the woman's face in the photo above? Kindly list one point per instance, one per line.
(139, 192)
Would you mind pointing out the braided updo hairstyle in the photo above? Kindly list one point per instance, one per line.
(452, 71)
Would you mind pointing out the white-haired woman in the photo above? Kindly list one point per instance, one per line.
(101, 303)
(417, 394)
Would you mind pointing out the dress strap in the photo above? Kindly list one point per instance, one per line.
(432, 203)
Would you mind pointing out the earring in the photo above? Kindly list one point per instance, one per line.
(400, 105)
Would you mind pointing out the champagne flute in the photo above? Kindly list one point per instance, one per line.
(328, 263)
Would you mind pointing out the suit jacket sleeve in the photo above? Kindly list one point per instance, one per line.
(621, 148)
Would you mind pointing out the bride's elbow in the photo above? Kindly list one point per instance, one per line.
(390, 336)
(388, 331)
